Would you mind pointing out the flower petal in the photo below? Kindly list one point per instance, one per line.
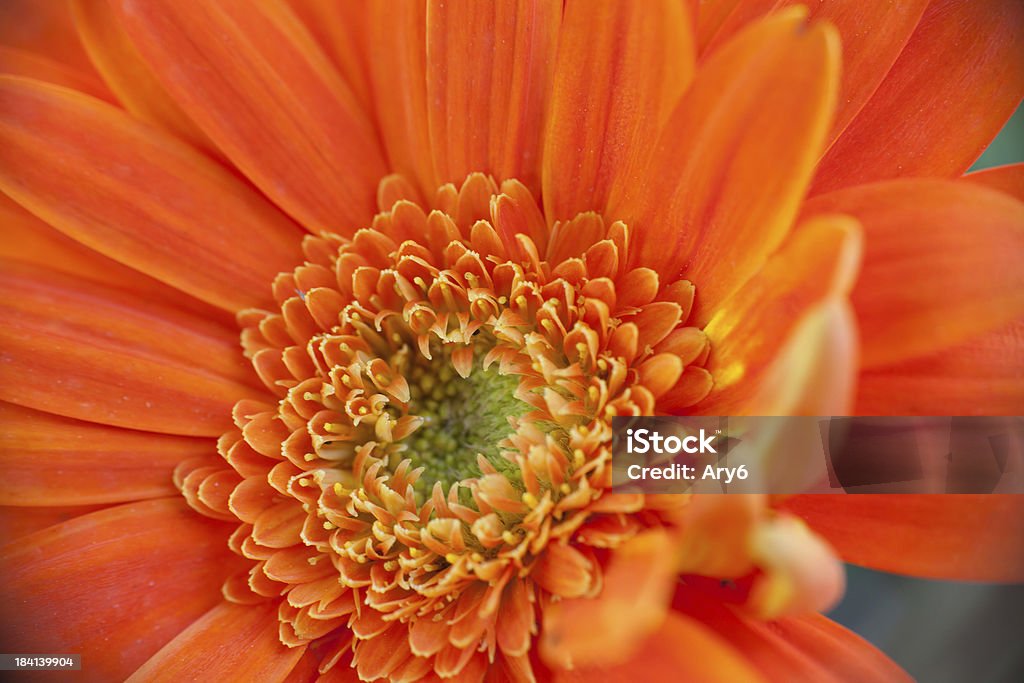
(960, 537)
(230, 642)
(984, 376)
(139, 196)
(904, 129)
(398, 72)
(16, 522)
(842, 652)
(44, 28)
(85, 351)
(751, 328)
(683, 647)
(50, 460)
(489, 69)
(26, 239)
(254, 80)
(941, 264)
(621, 68)
(1008, 179)
(873, 33)
(17, 62)
(637, 584)
(123, 70)
(734, 162)
(69, 588)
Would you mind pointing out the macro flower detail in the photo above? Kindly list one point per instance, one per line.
(316, 317)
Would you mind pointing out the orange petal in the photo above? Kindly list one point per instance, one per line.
(1008, 179)
(752, 327)
(343, 30)
(24, 63)
(961, 71)
(621, 68)
(682, 649)
(127, 75)
(44, 28)
(230, 642)
(842, 652)
(941, 264)
(489, 72)
(50, 460)
(68, 588)
(961, 537)
(873, 33)
(984, 376)
(92, 353)
(777, 659)
(254, 80)
(16, 522)
(734, 162)
(638, 583)
(26, 239)
(398, 70)
(139, 196)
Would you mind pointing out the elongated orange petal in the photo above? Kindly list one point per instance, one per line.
(230, 642)
(489, 72)
(841, 651)
(683, 647)
(17, 62)
(749, 330)
(16, 522)
(873, 33)
(51, 460)
(127, 75)
(26, 239)
(1008, 179)
(774, 657)
(635, 59)
(139, 196)
(962, 537)
(984, 376)
(733, 162)
(343, 30)
(45, 28)
(941, 264)
(398, 70)
(254, 80)
(70, 588)
(905, 128)
(88, 352)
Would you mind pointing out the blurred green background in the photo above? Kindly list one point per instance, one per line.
(945, 631)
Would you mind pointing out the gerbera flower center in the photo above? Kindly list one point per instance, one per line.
(463, 419)
(441, 445)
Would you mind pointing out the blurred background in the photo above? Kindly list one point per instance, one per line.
(944, 631)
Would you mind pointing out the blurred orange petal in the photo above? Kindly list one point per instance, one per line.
(961, 537)
(984, 376)
(941, 264)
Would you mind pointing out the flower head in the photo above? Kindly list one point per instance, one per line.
(459, 238)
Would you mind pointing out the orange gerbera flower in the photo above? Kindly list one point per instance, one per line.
(521, 219)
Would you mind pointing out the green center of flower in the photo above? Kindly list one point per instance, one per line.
(463, 419)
